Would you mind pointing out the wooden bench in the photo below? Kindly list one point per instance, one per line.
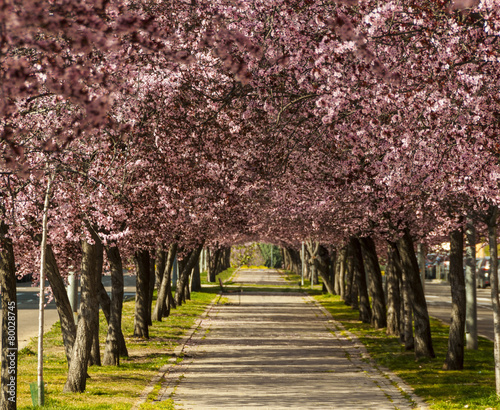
(225, 291)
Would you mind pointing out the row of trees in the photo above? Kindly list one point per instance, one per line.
(147, 124)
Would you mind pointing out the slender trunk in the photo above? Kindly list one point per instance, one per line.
(455, 355)
(320, 263)
(423, 339)
(349, 274)
(370, 258)
(115, 342)
(95, 353)
(89, 305)
(341, 270)
(160, 258)
(331, 269)
(9, 321)
(470, 288)
(393, 274)
(365, 313)
(196, 279)
(151, 288)
(181, 282)
(213, 261)
(187, 289)
(407, 310)
(184, 275)
(495, 303)
(141, 320)
(162, 302)
(63, 306)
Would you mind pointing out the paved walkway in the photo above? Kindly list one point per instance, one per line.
(278, 351)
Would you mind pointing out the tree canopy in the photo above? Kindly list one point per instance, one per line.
(228, 121)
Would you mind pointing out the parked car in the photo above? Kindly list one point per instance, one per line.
(483, 273)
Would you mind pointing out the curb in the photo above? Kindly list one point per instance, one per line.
(178, 350)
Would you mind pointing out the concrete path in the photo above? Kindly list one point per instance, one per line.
(278, 351)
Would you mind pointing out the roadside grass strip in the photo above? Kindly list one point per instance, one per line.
(471, 388)
(133, 384)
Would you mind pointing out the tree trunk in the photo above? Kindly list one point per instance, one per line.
(186, 293)
(181, 285)
(406, 334)
(141, 320)
(340, 267)
(151, 287)
(349, 275)
(115, 342)
(406, 330)
(160, 261)
(320, 262)
(227, 258)
(95, 353)
(423, 339)
(184, 275)
(294, 260)
(393, 274)
(63, 306)
(196, 279)
(213, 262)
(365, 313)
(470, 288)
(370, 258)
(9, 321)
(331, 268)
(455, 355)
(495, 303)
(162, 302)
(77, 374)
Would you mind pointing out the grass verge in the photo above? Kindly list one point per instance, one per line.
(224, 275)
(471, 388)
(110, 387)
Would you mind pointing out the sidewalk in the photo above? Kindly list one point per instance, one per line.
(278, 351)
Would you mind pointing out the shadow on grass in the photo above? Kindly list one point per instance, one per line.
(472, 388)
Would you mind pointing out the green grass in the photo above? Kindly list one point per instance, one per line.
(110, 387)
(119, 387)
(471, 388)
(224, 275)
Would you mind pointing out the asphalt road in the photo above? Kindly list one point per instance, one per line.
(438, 296)
(28, 305)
